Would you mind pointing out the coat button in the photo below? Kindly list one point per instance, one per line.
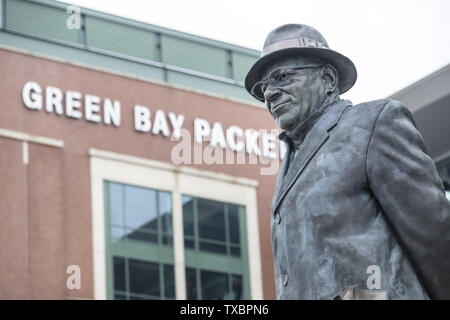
(285, 279)
(277, 217)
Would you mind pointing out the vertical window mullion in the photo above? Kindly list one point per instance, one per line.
(230, 284)
(198, 284)
(124, 206)
(161, 281)
(227, 230)
(196, 233)
(158, 219)
(127, 280)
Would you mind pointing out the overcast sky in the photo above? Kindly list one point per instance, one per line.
(393, 43)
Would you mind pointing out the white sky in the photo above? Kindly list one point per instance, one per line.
(393, 43)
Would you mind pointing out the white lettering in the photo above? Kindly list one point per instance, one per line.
(111, 112)
(73, 104)
(268, 146)
(201, 129)
(160, 124)
(31, 95)
(53, 100)
(217, 136)
(142, 119)
(91, 108)
(232, 132)
(177, 123)
(251, 142)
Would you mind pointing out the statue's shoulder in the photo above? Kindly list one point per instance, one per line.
(372, 109)
(375, 107)
(372, 106)
(365, 114)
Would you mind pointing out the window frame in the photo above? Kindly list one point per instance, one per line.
(176, 180)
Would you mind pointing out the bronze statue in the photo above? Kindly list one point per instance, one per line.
(356, 191)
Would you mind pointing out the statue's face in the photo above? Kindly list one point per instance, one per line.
(293, 88)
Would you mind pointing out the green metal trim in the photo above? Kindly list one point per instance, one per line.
(3, 14)
(244, 253)
(165, 67)
(230, 65)
(127, 277)
(109, 263)
(83, 26)
(227, 49)
(196, 232)
(198, 283)
(161, 281)
(227, 231)
(151, 27)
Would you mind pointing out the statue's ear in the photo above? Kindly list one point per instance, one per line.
(330, 75)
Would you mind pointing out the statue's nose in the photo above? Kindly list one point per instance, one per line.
(271, 94)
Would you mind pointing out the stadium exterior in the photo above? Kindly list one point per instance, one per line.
(133, 163)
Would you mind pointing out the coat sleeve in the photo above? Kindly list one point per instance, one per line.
(405, 182)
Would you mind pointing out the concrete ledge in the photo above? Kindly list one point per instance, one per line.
(173, 168)
(25, 137)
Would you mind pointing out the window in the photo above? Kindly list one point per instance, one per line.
(139, 279)
(137, 206)
(213, 285)
(215, 254)
(140, 242)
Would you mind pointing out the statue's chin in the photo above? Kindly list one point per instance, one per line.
(285, 124)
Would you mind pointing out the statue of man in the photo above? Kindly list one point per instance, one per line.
(359, 211)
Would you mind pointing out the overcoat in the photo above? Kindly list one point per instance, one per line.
(361, 192)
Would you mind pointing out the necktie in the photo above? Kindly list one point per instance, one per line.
(291, 159)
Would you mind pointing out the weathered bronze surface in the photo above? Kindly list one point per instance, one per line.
(356, 191)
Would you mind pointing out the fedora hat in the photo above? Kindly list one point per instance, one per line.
(300, 40)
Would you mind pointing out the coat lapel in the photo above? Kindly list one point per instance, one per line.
(281, 174)
(313, 141)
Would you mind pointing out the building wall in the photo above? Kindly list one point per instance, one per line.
(46, 197)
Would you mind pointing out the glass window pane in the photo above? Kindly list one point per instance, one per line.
(211, 219)
(214, 285)
(165, 210)
(118, 296)
(144, 277)
(167, 240)
(118, 234)
(116, 204)
(169, 282)
(142, 297)
(119, 273)
(188, 215)
(135, 297)
(236, 285)
(143, 236)
(233, 222)
(235, 251)
(191, 284)
(188, 243)
(212, 247)
(140, 208)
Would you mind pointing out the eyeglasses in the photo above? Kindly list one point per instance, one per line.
(276, 78)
